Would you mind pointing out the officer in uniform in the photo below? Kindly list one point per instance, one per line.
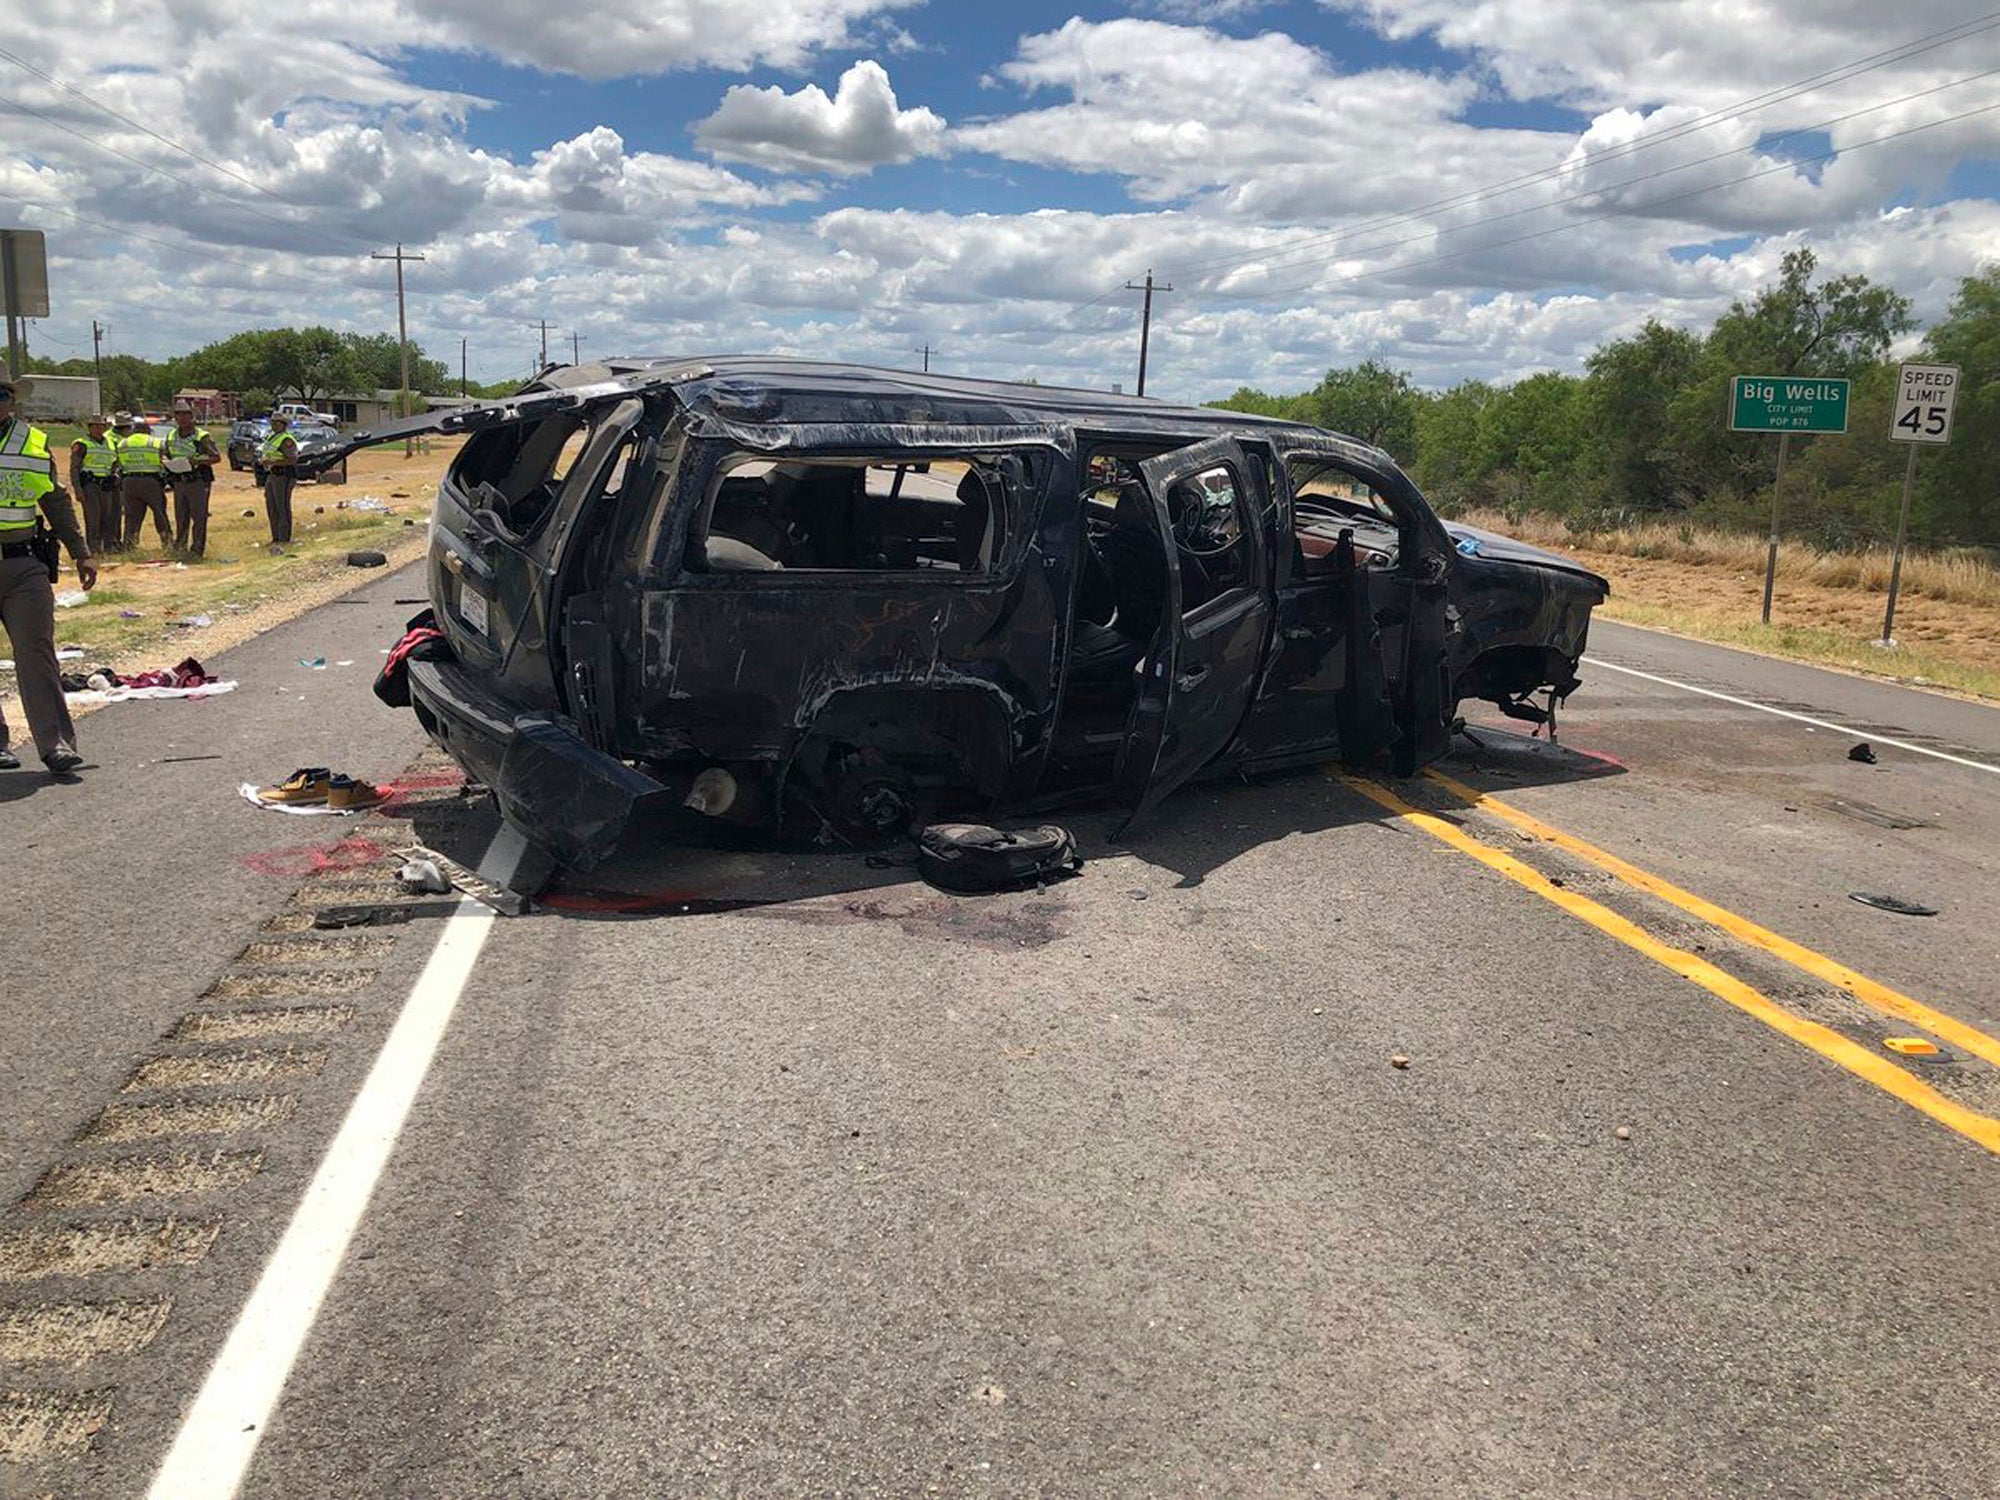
(278, 458)
(139, 465)
(190, 458)
(93, 475)
(29, 492)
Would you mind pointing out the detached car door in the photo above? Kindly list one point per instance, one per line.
(1196, 681)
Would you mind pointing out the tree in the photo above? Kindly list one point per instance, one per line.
(378, 365)
(1371, 402)
(1633, 385)
(1448, 465)
(1533, 431)
(1839, 328)
(1961, 482)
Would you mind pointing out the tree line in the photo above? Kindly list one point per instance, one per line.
(1643, 433)
(268, 365)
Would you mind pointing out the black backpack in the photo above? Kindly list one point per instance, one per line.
(974, 857)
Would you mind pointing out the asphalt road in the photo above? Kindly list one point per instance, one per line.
(777, 1175)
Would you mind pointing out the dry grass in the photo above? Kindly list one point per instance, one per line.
(1958, 576)
(1827, 608)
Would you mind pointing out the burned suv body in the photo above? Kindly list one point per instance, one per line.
(758, 589)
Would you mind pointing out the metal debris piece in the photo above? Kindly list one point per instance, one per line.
(1863, 752)
(1399, 1061)
(1896, 904)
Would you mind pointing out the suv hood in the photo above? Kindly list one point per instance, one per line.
(1476, 541)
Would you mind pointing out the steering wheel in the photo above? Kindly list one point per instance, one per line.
(1200, 520)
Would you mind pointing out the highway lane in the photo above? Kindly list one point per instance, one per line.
(1114, 1188)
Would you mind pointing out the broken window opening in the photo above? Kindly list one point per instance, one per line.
(936, 515)
(1329, 498)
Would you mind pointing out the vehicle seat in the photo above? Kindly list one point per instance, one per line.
(1138, 571)
(974, 529)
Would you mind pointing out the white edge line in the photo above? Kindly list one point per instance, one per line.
(218, 1438)
(1785, 713)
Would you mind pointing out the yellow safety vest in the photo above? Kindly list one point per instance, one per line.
(273, 451)
(140, 454)
(25, 476)
(100, 455)
(188, 446)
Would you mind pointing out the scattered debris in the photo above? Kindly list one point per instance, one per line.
(1911, 1046)
(71, 598)
(1623, 1132)
(1398, 1060)
(966, 857)
(1863, 752)
(1896, 904)
(381, 914)
(421, 877)
(249, 515)
(130, 614)
(196, 622)
(315, 663)
(366, 558)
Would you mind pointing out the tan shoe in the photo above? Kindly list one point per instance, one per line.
(351, 794)
(302, 789)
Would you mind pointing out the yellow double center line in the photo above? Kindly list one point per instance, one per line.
(1855, 1058)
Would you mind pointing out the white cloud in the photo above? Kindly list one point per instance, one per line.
(860, 127)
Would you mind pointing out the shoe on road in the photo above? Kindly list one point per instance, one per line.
(9, 761)
(61, 762)
(303, 788)
(350, 794)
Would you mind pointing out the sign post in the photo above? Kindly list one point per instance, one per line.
(1776, 403)
(24, 286)
(1925, 395)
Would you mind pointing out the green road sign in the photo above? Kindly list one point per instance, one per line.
(1777, 403)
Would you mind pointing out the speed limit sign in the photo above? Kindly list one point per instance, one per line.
(1924, 396)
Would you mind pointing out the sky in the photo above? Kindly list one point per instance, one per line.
(1464, 189)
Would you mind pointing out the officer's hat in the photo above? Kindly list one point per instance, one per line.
(123, 419)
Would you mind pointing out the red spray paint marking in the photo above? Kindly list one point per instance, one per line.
(302, 860)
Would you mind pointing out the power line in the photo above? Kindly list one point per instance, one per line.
(146, 166)
(185, 247)
(168, 141)
(1790, 164)
(1840, 74)
(1846, 71)
(1566, 226)
(1598, 192)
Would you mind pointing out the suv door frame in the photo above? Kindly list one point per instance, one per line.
(1166, 738)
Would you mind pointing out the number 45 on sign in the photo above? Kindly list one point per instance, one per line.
(1924, 398)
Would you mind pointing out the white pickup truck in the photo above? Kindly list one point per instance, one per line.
(298, 411)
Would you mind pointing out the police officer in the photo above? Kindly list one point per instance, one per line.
(93, 474)
(190, 458)
(139, 467)
(29, 491)
(279, 458)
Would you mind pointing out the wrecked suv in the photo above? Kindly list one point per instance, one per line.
(760, 591)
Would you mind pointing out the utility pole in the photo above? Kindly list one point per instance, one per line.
(575, 347)
(402, 338)
(97, 331)
(464, 385)
(1146, 321)
(927, 352)
(544, 326)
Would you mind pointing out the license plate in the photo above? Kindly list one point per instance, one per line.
(472, 608)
